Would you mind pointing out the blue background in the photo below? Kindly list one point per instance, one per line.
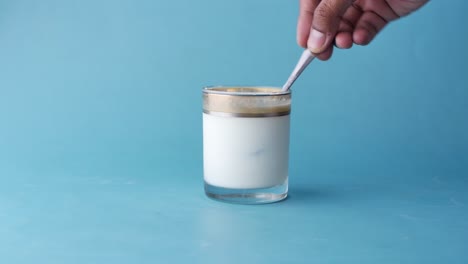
(101, 143)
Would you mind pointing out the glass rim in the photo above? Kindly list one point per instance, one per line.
(245, 90)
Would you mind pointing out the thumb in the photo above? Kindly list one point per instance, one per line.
(327, 17)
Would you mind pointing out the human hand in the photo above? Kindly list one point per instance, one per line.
(324, 23)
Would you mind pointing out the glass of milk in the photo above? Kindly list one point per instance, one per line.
(246, 143)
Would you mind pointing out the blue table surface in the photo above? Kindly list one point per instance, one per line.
(101, 136)
(97, 219)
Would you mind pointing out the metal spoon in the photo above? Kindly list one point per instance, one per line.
(304, 60)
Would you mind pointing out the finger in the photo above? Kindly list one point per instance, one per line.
(344, 36)
(325, 23)
(345, 27)
(367, 28)
(352, 15)
(304, 22)
(382, 8)
(406, 7)
(344, 40)
(326, 55)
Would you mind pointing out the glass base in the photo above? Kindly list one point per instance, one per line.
(248, 196)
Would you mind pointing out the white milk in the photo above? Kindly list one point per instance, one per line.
(245, 152)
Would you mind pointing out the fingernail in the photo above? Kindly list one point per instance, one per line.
(316, 41)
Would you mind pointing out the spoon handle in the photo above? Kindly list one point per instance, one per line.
(305, 59)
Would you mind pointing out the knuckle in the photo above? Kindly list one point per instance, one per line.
(327, 10)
